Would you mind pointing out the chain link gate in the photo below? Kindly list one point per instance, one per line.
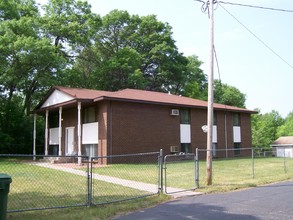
(180, 173)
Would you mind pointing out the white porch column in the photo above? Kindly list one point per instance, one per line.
(34, 137)
(46, 133)
(79, 131)
(60, 130)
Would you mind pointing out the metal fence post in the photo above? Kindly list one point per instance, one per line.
(90, 190)
(285, 170)
(196, 169)
(252, 155)
(161, 171)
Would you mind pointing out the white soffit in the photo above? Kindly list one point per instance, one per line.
(55, 98)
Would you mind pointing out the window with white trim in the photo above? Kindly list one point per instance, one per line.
(89, 115)
(237, 147)
(184, 116)
(236, 119)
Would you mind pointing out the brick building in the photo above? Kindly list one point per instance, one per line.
(102, 123)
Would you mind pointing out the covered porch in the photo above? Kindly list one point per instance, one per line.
(71, 126)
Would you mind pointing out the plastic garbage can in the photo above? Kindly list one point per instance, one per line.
(5, 181)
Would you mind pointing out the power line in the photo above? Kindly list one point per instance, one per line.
(217, 62)
(206, 3)
(255, 6)
(260, 40)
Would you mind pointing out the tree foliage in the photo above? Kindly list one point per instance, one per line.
(16, 128)
(286, 129)
(70, 25)
(228, 95)
(30, 59)
(64, 43)
(195, 81)
(264, 128)
(133, 52)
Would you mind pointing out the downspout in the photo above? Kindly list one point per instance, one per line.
(60, 131)
(34, 137)
(79, 132)
(46, 133)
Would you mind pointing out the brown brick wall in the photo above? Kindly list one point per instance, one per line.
(246, 136)
(199, 138)
(198, 118)
(143, 128)
(104, 130)
(138, 128)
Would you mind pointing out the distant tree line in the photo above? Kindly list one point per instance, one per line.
(64, 43)
(267, 127)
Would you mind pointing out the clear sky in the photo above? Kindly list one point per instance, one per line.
(244, 62)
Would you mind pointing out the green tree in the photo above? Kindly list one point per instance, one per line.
(195, 83)
(134, 52)
(33, 54)
(35, 49)
(228, 95)
(264, 128)
(15, 129)
(286, 129)
(27, 59)
(70, 25)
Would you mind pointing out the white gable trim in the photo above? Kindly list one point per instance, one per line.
(55, 98)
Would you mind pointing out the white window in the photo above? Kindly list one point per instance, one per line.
(91, 150)
(90, 133)
(89, 115)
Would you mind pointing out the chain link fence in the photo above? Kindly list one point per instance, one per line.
(124, 177)
(181, 166)
(46, 182)
(243, 166)
(42, 182)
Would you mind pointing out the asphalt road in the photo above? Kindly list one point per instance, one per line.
(264, 202)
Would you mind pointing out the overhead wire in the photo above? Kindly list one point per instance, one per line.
(260, 40)
(246, 5)
(205, 8)
(217, 62)
(257, 7)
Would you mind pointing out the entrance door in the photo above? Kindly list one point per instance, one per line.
(69, 141)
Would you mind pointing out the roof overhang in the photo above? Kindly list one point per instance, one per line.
(281, 145)
(224, 108)
(64, 105)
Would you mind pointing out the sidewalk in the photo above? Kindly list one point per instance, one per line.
(152, 188)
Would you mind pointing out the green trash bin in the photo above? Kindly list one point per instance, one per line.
(5, 181)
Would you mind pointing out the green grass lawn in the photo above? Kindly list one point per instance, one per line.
(228, 174)
(31, 182)
(35, 187)
(147, 173)
(59, 187)
(236, 174)
(101, 212)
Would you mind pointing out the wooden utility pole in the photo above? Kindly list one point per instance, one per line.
(210, 98)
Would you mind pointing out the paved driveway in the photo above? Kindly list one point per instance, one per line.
(265, 202)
